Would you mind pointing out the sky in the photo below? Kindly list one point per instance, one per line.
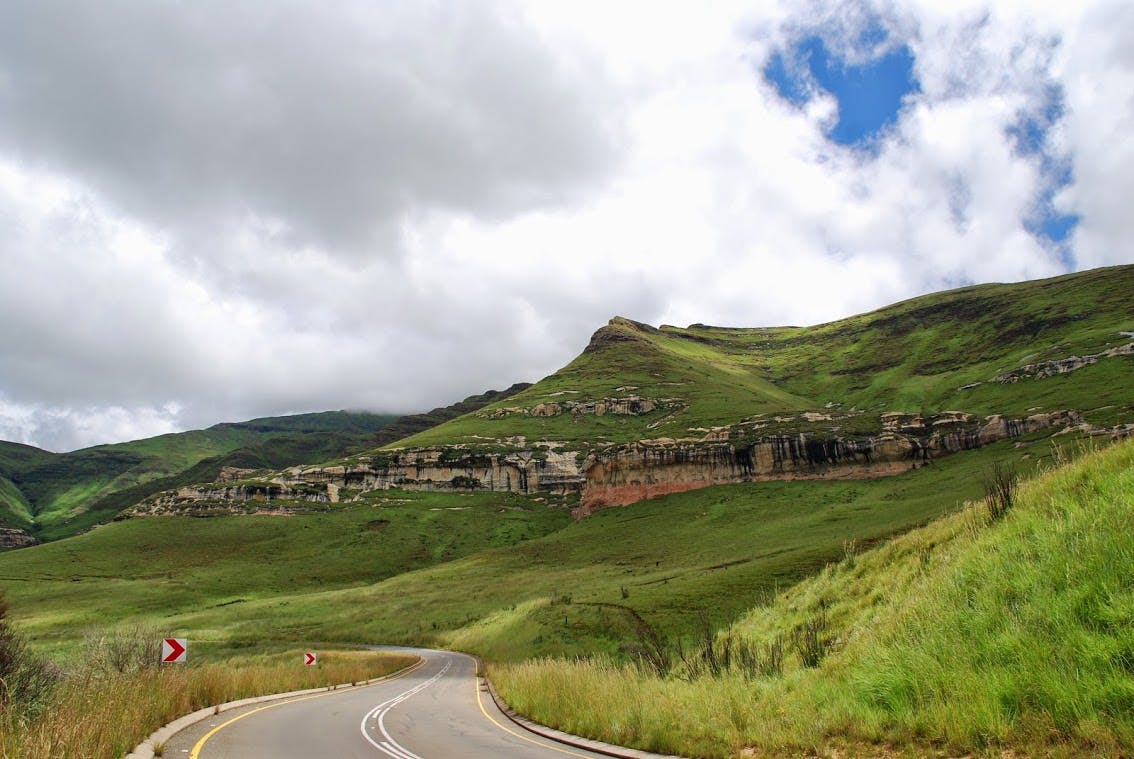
(214, 211)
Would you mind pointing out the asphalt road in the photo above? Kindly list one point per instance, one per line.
(435, 711)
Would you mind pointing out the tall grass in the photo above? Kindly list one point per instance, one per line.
(1029, 634)
(100, 714)
(978, 633)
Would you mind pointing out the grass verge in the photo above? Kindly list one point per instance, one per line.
(101, 715)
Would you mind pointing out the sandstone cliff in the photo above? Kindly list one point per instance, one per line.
(623, 474)
(650, 468)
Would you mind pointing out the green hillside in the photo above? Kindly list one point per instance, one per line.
(53, 495)
(1010, 636)
(489, 572)
(879, 594)
(933, 353)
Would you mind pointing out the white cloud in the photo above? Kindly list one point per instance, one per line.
(234, 215)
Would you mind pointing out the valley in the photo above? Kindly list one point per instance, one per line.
(667, 489)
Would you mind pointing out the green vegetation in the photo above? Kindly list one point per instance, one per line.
(970, 634)
(774, 616)
(922, 355)
(160, 569)
(55, 495)
(486, 572)
(103, 715)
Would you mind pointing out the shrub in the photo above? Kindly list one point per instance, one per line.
(999, 491)
(125, 650)
(25, 680)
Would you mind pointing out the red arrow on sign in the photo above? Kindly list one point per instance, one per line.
(310, 658)
(173, 650)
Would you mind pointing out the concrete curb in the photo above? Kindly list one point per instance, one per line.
(568, 739)
(145, 749)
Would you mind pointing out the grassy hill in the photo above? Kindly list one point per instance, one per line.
(489, 572)
(933, 353)
(1010, 636)
(833, 562)
(53, 495)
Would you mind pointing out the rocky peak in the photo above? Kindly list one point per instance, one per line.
(620, 330)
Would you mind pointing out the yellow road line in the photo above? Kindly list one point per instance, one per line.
(521, 736)
(196, 752)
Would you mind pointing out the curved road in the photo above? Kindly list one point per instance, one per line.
(435, 710)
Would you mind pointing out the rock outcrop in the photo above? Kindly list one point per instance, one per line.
(624, 474)
(10, 537)
(272, 495)
(540, 470)
(629, 406)
(1046, 369)
(651, 468)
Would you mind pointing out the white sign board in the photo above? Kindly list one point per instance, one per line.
(173, 650)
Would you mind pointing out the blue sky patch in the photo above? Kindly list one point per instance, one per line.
(1029, 135)
(869, 94)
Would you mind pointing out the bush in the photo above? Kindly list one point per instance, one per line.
(123, 651)
(999, 491)
(25, 680)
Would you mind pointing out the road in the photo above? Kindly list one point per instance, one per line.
(435, 711)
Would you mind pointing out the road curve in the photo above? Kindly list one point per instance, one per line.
(436, 710)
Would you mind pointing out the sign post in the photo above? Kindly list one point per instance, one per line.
(173, 650)
(310, 658)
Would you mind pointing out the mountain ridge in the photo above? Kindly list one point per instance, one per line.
(644, 411)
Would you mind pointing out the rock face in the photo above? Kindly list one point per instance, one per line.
(630, 406)
(647, 469)
(534, 471)
(222, 497)
(10, 537)
(625, 474)
(1063, 366)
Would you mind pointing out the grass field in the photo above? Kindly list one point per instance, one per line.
(104, 715)
(971, 634)
(504, 576)
(158, 569)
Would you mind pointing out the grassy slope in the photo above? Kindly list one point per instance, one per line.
(966, 635)
(917, 354)
(912, 356)
(15, 511)
(482, 578)
(68, 492)
(156, 569)
(630, 359)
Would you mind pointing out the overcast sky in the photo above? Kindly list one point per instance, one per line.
(212, 211)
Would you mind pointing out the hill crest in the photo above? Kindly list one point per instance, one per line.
(644, 411)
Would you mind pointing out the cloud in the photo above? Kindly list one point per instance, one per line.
(210, 214)
(312, 127)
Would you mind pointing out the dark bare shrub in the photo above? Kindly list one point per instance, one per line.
(999, 491)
